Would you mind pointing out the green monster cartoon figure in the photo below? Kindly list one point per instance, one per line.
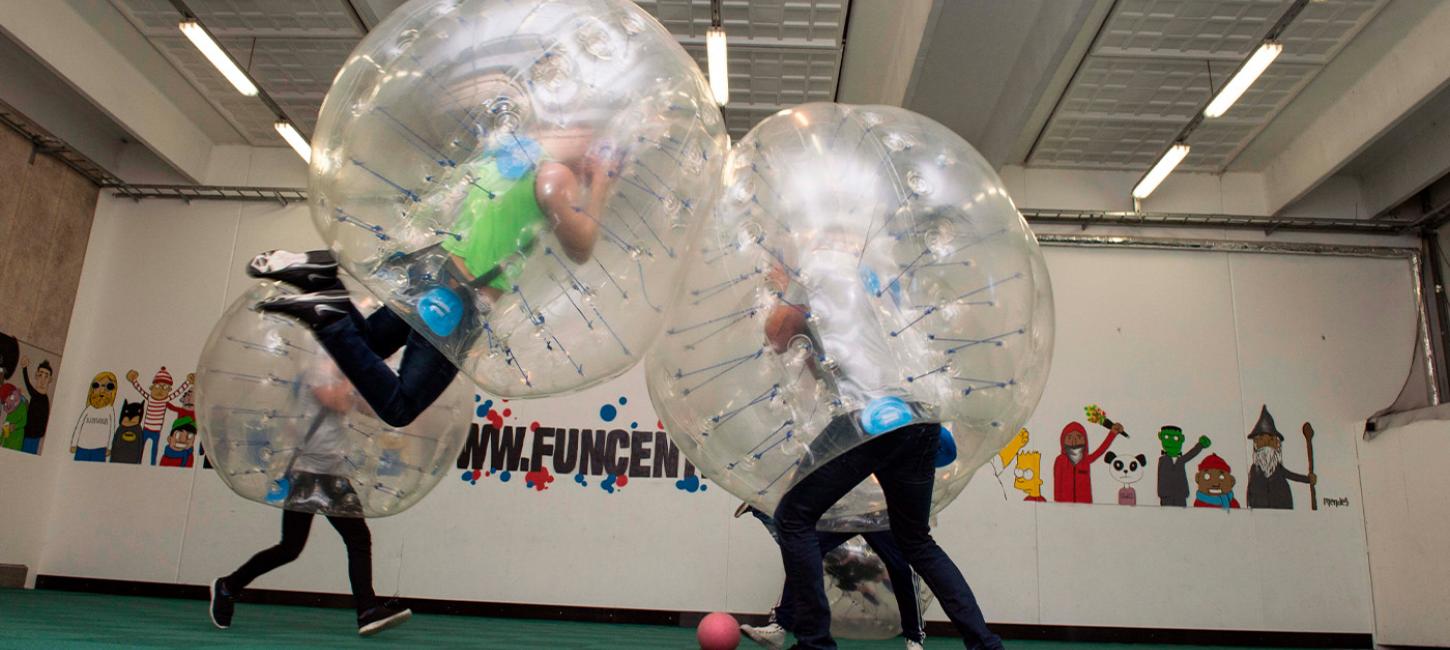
(1173, 466)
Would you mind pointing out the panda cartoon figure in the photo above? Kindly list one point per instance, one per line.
(1126, 471)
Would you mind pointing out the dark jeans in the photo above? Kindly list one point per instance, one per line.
(360, 345)
(903, 584)
(904, 462)
(295, 527)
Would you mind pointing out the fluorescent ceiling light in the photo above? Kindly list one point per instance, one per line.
(1244, 78)
(213, 52)
(1160, 171)
(290, 134)
(719, 69)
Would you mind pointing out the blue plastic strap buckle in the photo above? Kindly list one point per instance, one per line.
(886, 414)
(441, 310)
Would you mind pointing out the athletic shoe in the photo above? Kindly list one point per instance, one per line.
(313, 309)
(309, 272)
(387, 615)
(223, 602)
(914, 645)
(766, 636)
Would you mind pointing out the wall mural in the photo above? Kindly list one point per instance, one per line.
(28, 375)
(521, 444)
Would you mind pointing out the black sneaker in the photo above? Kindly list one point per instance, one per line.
(387, 615)
(223, 602)
(309, 272)
(316, 310)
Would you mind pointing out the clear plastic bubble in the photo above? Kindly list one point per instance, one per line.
(518, 180)
(865, 266)
(284, 427)
(859, 589)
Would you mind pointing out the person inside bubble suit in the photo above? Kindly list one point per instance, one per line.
(879, 428)
(517, 188)
(782, 616)
(315, 482)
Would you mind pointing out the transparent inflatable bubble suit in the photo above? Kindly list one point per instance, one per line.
(861, 594)
(517, 179)
(865, 267)
(284, 427)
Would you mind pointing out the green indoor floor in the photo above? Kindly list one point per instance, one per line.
(56, 619)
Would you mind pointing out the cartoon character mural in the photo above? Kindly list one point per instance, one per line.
(38, 415)
(90, 440)
(155, 400)
(1072, 480)
(1268, 478)
(12, 430)
(1215, 484)
(1029, 475)
(178, 445)
(9, 357)
(1173, 465)
(1006, 455)
(126, 444)
(1126, 471)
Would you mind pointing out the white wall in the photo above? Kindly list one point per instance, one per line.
(1195, 339)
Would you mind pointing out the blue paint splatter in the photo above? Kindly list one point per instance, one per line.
(483, 408)
(634, 425)
(607, 412)
(504, 476)
(690, 484)
(579, 478)
(477, 397)
(623, 400)
(608, 484)
(468, 475)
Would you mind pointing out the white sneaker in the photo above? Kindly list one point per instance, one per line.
(912, 645)
(766, 636)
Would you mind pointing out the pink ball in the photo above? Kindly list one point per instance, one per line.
(718, 631)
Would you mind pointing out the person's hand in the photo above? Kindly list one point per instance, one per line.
(132, 375)
(72, 449)
(1117, 428)
(191, 378)
(24, 361)
(1313, 478)
(1204, 442)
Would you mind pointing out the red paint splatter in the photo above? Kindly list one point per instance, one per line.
(539, 480)
(621, 481)
(495, 419)
(508, 412)
(476, 474)
(504, 401)
(659, 424)
(534, 426)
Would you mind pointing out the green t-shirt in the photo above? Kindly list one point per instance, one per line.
(497, 231)
(16, 420)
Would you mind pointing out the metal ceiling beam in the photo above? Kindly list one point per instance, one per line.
(1089, 218)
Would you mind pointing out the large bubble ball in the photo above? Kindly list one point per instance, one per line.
(862, 597)
(518, 179)
(284, 427)
(864, 267)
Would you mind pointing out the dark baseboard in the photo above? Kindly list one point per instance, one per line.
(1151, 636)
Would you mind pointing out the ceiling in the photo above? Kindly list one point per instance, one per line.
(782, 52)
(1154, 64)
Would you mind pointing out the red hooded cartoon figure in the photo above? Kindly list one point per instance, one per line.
(1072, 480)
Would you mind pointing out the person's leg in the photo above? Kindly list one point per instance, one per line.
(359, 543)
(384, 331)
(295, 526)
(906, 480)
(153, 437)
(398, 397)
(796, 518)
(903, 583)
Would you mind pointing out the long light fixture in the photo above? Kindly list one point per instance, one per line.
(290, 134)
(719, 68)
(213, 52)
(1160, 171)
(1245, 77)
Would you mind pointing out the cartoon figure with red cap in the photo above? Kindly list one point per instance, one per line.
(156, 398)
(1072, 480)
(1215, 484)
